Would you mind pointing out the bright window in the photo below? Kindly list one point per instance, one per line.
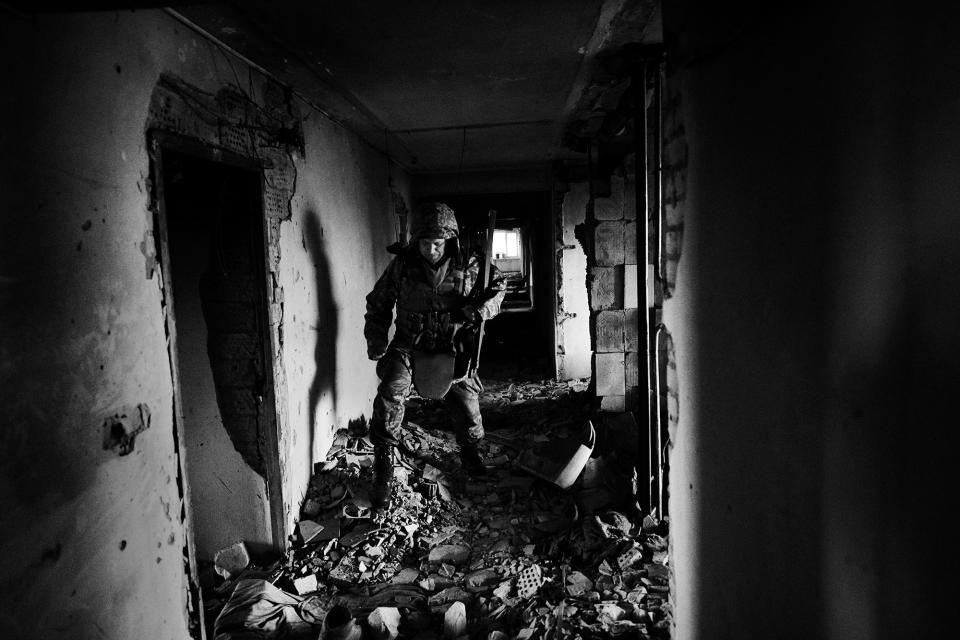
(506, 243)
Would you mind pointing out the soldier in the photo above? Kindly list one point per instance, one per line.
(440, 303)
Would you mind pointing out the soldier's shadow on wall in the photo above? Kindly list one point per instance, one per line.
(325, 326)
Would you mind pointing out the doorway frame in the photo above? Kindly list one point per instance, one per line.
(159, 142)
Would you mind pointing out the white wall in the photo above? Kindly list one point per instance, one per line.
(332, 251)
(573, 333)
(90, 541)
(815, 322)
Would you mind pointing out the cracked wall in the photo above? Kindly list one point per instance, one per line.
(83, 338)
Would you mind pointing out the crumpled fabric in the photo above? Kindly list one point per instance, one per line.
(257, 610)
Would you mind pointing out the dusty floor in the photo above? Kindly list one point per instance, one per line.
(525, 558)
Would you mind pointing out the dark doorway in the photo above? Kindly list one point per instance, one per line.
(520, 341)
(210, 228)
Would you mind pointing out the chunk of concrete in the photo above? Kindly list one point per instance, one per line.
(384, 623)
(231, 561)
(452, 553)
(455, 621)
(306, 584)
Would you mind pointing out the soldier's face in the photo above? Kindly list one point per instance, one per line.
(432, 249)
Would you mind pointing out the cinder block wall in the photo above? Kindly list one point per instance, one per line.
(815, 321)
(91, 538)
(613, 296)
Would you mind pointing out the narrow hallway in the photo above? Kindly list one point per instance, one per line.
(505, 555)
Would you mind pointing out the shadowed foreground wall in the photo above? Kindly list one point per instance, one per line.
(91, 537)
(815, 320)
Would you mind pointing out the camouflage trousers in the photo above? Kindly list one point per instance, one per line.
(395, 370)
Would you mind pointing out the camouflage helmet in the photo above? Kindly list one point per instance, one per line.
(435, 220)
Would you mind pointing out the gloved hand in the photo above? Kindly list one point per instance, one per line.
(375, 352)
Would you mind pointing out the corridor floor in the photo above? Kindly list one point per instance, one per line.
(502, 556)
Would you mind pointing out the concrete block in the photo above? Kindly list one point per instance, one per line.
(631, 362)
(613, 403)
(306, 584)
(630, 242)
(609, 374)
(229, 562)
(606, 288)
(631, 295)
(630, 200)
(610, 208)
(631, 330)
(651, 286)
(632, 399)
(609, 325)
(608, 243)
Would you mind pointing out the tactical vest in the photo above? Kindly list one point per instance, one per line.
(425, 310)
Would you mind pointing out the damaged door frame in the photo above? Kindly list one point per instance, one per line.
(159, 142)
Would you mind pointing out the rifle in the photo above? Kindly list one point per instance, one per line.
(485, 282)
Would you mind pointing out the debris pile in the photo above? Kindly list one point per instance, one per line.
(501, 556)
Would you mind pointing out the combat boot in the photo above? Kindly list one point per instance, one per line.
(382, 475)
(470, 460)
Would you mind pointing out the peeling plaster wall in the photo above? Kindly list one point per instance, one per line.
(334, 249)
(815, 322)
(573, 312)
(91, 541)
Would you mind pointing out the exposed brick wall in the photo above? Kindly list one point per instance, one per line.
(612, 277)
(270, 132)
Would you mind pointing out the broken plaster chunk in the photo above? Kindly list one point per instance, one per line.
(346, 573)
(450, 594)
(407, 575)
(306, 584)
(383, 623)
(481, 579)
(455, 621)
(308, 530)
(435, 582)
(311, 508)
(229, 562)
(452, 553)
(503, 589)
(578, 584)
(609, 612)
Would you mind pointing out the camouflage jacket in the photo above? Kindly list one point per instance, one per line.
(429, 302)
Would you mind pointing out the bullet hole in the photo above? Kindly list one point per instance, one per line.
(158, 560)
(79, 245)
(116, 438)
(117, 68)
(103, 220)
(101, 367)
(691, 485)
(123, 545)
(52, 554)
(86, 225)
(171, 539)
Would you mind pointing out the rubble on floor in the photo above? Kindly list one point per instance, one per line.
(507, 555)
